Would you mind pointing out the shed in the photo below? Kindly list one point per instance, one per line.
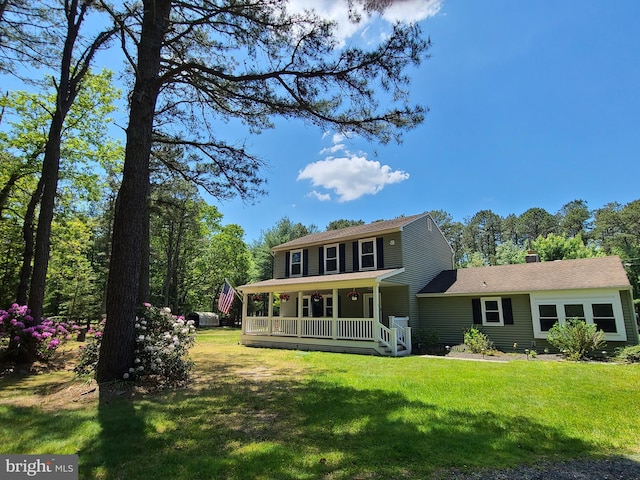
(204, 319)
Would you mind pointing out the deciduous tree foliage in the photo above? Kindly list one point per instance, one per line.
(220, 60)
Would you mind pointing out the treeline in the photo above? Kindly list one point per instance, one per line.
(486, 238)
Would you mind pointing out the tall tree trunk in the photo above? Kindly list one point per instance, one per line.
(118, 340)
(6, 190)
(144, 294)
(67, 89)
(49, 179)
(168, 274)
(27, 255)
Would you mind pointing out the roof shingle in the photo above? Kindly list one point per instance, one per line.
(357, 231)
(584, 273)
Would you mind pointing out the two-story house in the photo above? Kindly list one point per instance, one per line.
(348, 290)
(367, 288)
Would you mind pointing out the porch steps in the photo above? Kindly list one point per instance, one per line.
(386, 351)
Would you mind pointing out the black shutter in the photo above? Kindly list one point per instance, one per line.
(321, 260)
(305, 262)
(379, 252)
(477, 311)
(341, 252)
(507, 311)
(356, 257)
(339, 306)
(287, 262)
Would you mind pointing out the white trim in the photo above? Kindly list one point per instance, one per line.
(587, 299)
(337, 258)
(498, 300)
(291, 274)
(374, 253)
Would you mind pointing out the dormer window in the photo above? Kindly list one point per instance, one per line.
(295, 265)
(331, 259)
(368, 254)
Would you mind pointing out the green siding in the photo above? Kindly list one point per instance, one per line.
(450, 317)
(629, 319)
(395, 301)
(425, 253)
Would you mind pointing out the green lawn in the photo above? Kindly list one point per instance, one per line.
(265, 414)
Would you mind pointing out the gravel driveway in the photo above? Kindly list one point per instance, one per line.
(616, 468)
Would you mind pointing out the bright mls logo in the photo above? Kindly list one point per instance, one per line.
(51, 467)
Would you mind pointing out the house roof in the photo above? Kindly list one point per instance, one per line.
(584, 273)
(341, 280)
(356, 231)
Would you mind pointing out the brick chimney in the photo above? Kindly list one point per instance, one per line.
(531, 257)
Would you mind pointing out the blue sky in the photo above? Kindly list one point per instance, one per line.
(532, 104)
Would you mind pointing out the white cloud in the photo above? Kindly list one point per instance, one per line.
(408, 11)
(333, 149)
(351, 177)
(323, 197)
(411, 10)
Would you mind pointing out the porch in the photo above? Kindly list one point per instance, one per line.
(342, 313)
(349, 335)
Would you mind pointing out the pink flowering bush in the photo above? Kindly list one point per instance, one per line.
(19, 334)
(161, 348)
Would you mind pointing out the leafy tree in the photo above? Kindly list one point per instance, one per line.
(509, 253)
(573, 218)
(21, 38)
(343, 223)
(534, 223)
(608, 224)
(284, 231)
(71, 282)
(617, 232)
(482, 234)
(511, 229)
(75, 60)
(302, 79)
(85, 150)
(560, 247)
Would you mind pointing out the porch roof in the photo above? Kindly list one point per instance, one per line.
(341, 280)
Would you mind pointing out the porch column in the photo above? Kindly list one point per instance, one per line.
(334, 323)
(270, 313)
(244, 312)
(376, 303)
(299, 319)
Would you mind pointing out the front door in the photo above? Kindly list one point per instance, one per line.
(367, 300)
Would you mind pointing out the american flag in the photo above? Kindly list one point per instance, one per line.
(226, 297)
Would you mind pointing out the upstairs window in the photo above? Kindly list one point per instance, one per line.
(295, 263)
(368, 254)
(331, 259)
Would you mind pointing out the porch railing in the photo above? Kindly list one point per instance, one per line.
(320, 327)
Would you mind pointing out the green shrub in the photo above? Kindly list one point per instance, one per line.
(161, 348)
(628, 354)
(477, 341)
(576, 338)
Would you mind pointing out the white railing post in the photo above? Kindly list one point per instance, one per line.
(393, 340)
(244, 311)
(334, 316)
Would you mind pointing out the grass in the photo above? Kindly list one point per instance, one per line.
(262, 414)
